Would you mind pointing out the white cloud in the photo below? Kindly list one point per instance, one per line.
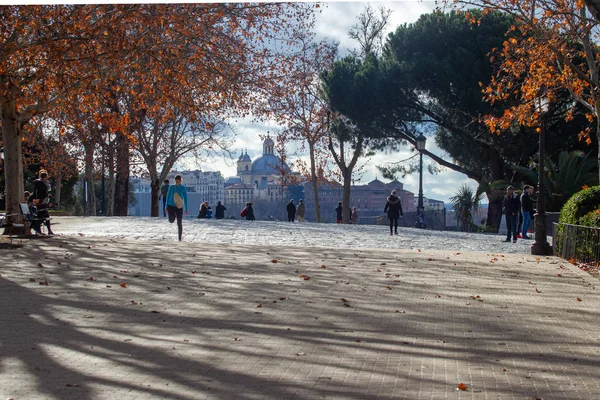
(333, 22)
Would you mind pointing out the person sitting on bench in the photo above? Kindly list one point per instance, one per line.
(41, 200)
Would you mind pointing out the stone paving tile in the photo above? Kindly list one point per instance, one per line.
(225, 322)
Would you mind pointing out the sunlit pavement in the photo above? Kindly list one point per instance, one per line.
(210, 231)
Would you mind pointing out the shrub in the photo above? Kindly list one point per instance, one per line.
(583, 208)
(591, 219)
(578, 208)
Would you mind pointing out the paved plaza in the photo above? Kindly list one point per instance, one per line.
(210, 231)
(118, 309)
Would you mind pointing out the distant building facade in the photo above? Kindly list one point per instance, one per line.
(429, 204)
(369, 199)
(201, 185)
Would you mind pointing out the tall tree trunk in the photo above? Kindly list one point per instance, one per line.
(494, 213)
(13, 160)
(122, 176)
(315, 181)
(154, 194)
(347, 175)
(282, 204)
(89, 146)
(597, 107)
(110, 194)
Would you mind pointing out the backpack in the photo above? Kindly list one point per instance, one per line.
(243, 212)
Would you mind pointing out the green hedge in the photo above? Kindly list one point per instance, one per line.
(581, 208)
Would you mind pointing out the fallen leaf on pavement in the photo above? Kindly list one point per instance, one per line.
(538, 290)
(259, 306)
(578, 299)
(274, 261)
(40, 265)
(323, 266)
(462, 386)
(123, 285)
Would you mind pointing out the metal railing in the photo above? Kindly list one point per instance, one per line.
(576, 242)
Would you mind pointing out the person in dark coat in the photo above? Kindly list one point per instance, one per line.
(41, 200)
(291, 211)
(511, 204)
(393, 208)
(204, 211)
(250, 212)
(338, 213)
(526, 209)
(220, 211)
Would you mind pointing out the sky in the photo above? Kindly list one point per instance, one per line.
(333, 23)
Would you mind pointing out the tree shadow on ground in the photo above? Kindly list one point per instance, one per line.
(188, 323)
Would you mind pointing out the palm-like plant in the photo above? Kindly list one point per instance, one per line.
(573, 171)
(465, 202)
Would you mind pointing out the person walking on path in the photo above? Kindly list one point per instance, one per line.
(526, 209)
(291, 211)
(354, 216)
(250, 212)
(511, 205)
(338, 213)
(41, 200)
(393, 208)
(220, 211)
(177, 202)
(300, 210)
(164, 189)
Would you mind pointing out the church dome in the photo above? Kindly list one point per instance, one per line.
(267, 164)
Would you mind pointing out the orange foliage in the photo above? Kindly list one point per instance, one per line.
(118, 63)
(550, 48)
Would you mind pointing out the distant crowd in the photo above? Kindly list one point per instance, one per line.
(175, 204)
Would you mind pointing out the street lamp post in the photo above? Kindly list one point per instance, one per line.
(540, 246)
(2, 194)
(420, 208)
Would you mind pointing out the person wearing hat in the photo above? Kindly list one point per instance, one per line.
(511, 204)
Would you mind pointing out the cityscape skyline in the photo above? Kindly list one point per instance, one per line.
(333, 22)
